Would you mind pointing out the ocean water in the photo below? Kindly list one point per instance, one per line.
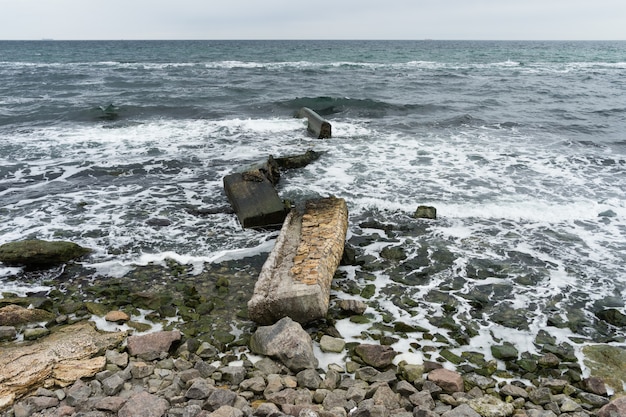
(521, 147)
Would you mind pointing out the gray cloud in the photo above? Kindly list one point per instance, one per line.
(323, 19)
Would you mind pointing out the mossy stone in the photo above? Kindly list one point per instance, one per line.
(607, 362)
(40, 253)
(97, 308)
(504, 352)
(368, 291)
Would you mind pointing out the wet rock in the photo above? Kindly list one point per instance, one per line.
(490, 406)
(143, 404)
(463, 410)
(504, 352)
(614, 408)
(612, 316)
(593, 399)
(607, 362)
(332, 344)
(378, 356)
(449, 381)
(298, 161)
(35, 333)
(286, 341)
(425, 212)
(40, 253)
(7, 333)
(594, 385)
(14, 315)
(352, 306)
(150, 346)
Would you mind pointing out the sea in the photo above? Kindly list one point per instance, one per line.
(122, 146)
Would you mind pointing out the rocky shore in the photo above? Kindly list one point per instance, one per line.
(159, 375)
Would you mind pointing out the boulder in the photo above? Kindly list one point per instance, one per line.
(286, 341)
(616, 407)
(14, 315)
(36, 254)
(296, 277)
(25, 367)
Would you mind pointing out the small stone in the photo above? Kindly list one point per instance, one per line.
(504, 352)
(141, 370)
(117, 316)
(332, 344)
(143, 404)
(352, 306)
(200, 389)
(594, 385)
(425, 212)
(309, 378)
(36, 333)
(112, 404)
(513, 391)
(112, 385)
(490, 406)
(116, 358)
(7, 333)
(549, 360)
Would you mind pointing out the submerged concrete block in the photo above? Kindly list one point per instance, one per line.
(295, 280)
(254, 199)
(317, 125)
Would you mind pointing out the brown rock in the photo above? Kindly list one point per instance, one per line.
(24, 368)
(614, 408)
(143, 405)
(378, 356)
(449, 381)
(14, 315)
(149, 346)
(117, 316)
(66, 372)
(595, 385)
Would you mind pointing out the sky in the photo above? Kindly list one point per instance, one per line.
(320, 19)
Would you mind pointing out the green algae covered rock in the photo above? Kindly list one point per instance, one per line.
(40, 253)
(607, 362)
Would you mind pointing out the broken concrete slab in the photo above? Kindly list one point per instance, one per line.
(295, 280)
(317, 125)
(254, 200)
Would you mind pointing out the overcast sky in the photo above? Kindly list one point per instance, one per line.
(320, 19)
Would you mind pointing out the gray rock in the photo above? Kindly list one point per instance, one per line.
(234, 375)
(116, 358)
(463, 410)
(482, 382)
(141, 370)
(540, 396)
(384, 395)
(267, 410)
(199, 390)
(309, 378)
(356, 394)
(540, 413)
(288, 342)
(41, 403)
(422, 400)
(513, 391)
(112, 404)
(490, 406)
(366, 373)
(227, 411)
(78, 393)
(336, 398)
(331, 380)
(332, 344)
(256, 384)
(191, 410)
(112, 385)
(219, 398)
(593, 399)
(143, 404)
(7, 333)
(405, 389)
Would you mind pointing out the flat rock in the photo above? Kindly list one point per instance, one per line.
(378, 356)
(144, 405)
(449, 381)
(25, 367)
(117, 316)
